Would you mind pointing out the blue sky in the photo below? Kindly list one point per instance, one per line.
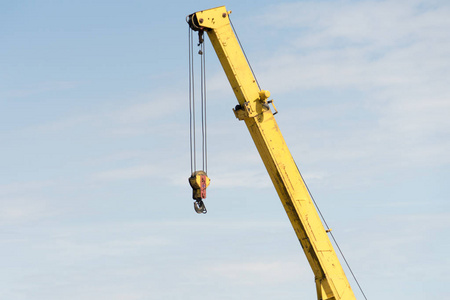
(94, 198)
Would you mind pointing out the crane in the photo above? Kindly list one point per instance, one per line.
(254, 110)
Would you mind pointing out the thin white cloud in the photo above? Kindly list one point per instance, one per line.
(154, 107)
(38, 88)
(134, 172)
(261, 272)
(24, 187)
(118, 157)
(392, 242)
(19, 210)
(62, 124)
(395, 56)
(137, 115)
(22, 202)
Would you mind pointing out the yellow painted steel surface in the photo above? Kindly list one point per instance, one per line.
(331, 282)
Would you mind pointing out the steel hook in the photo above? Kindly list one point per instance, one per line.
(200, 207)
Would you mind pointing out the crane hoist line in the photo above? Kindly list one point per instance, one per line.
(254, 110)
(199, 179)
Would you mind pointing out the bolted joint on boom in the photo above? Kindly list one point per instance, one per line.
(209, 19)
(256, 108)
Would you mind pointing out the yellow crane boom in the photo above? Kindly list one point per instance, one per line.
(254, 110)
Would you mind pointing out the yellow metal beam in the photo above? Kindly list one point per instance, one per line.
(331, 282)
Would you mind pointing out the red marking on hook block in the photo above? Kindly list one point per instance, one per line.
(203, 186)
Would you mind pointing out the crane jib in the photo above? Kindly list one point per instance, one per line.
(253, 109)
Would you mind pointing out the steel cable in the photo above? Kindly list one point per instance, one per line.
(332, 236)
(192, 109)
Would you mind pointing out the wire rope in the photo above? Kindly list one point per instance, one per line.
(245, 55)
(192, 103)
(192, 106)
(190, 96)
(204, 123)
(332, 236)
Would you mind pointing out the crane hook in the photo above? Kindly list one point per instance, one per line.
(199, 181)
(200, 207)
